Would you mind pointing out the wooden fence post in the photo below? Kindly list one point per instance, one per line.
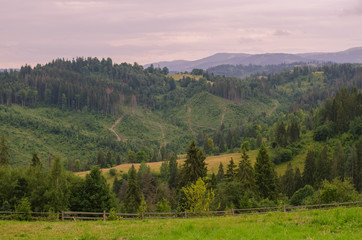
(232, 211)
(284, 209)
(104, 215)
(62, 215)
(185, 214)
(142, 215)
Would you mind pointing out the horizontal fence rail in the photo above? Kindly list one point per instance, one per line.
(105, 216)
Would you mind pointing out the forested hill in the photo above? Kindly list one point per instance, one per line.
(67, 108)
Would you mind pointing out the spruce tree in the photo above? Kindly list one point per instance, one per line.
(245, 172)
(173, 172)
(230, 171)
(194, 166)
(264, 174)
(133, 196)
(309, 169)
(323, 167)
(298, 181)
(4, 152)
(288, 185)
(220, 173)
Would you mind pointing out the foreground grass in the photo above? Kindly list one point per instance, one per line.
(342, 223)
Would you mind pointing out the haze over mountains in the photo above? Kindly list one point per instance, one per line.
(352, 55)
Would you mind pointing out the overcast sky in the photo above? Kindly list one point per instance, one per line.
(145, 31)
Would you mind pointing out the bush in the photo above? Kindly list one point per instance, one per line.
(282, 155)
(338, 191)
(300, 195)
(112, 172)
(23, 206)
(323, 132)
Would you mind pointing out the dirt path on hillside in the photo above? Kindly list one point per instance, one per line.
(112, 129)
(189, 119)
(163, 140)
(222, 116)
(276, 104)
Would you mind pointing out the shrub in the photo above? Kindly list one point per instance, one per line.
(300, 195)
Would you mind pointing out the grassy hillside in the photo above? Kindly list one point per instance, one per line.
(341, 223)
(50, 131)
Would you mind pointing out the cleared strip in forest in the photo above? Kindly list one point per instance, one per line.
(112, 129)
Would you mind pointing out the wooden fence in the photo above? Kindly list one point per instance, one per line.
(66, 215)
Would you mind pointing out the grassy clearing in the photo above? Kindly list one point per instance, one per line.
(341, 223)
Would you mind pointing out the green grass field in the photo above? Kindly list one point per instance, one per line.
(341, 223)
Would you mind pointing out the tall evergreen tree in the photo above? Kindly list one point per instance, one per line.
(280, 134)
(288, 185)
(173, 172)
(298, 181)
(230, 171)
(338, 162)
(95, 193)
(4, 152)
(133, 196)
(220, 173)
(264, 174)
(245, 172)
(194, 166)
(58, 192)
(323, 167)
(309, 169)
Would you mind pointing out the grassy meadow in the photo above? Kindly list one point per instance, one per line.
(341, 223)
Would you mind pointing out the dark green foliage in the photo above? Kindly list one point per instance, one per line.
(281, 135)
(245, 172)
(173, 172)
(231, 171)
(323, 132)
(4, 152)
(220, 173)
(58, 192)
(133, 196)
(35, 161)
(194, 166)
(323, 167)
(264, 174)
(309, 169)
(24, 207)
(283, 155)
(95, 194)
(298, 180)
(288, 181)
(301, 194)
(337, 191)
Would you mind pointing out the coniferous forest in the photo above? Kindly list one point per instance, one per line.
(86, 114)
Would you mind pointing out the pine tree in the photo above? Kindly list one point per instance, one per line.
(358, 177)
(230, 171)
(194, 166)
(220, 173)
(133, 196)
(309, 169)
(245, 172)
(101, 160)
(4, 152)
(264, 174)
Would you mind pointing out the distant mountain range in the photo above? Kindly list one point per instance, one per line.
(353, 55)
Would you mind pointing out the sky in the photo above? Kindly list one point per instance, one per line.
(146, 31)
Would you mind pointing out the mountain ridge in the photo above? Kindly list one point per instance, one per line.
(351, 55)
